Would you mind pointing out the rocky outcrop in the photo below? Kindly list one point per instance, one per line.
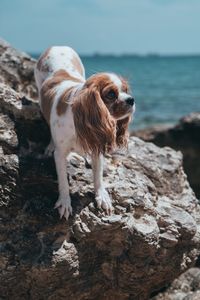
(185, 136)
(152, 236)
(16, 70)
(185, 287)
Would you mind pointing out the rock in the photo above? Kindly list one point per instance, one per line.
(185, 287)
(152, 236)
(16, 70)
(184, 137)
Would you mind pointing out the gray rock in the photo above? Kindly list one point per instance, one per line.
(152, 236)
(185, 136)
(16, 70)
(185, 287)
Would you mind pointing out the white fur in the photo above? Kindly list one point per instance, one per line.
(115, 79)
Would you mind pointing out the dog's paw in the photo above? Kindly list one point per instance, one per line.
(103, 201)
(64, 207)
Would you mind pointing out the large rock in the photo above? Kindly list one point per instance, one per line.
(16, 69)
(185, 136)
(185, 287)
(151, 238)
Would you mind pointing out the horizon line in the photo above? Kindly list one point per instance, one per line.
(116, 55)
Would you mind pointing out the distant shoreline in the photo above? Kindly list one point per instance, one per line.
(108, 55)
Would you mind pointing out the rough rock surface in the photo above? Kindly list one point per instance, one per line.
(16, 69)
(186, 287)
(151, 238)
(185, 136)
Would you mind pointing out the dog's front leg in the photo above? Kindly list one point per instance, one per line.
(101, 195)
(64, 201)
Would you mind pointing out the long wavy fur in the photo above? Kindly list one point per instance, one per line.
(122, 134)
(95, 127)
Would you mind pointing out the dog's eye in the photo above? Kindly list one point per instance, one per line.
(111, 95)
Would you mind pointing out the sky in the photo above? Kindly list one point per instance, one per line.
(103, 26)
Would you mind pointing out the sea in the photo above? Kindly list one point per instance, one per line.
(165, 88)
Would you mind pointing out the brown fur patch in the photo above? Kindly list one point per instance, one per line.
(99, 81)
(119, 109)
(95, 127)
(63, 101)
(48, 93)
(40, 65)
(122, 132)
(66, 76)
(47, 96)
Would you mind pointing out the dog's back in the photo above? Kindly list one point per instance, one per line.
(58, 69)
(58, 58)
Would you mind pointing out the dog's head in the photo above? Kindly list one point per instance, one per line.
(102, 111)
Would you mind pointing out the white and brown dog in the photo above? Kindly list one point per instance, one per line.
(85, 116)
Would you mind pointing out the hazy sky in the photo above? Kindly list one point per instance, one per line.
(105, 26)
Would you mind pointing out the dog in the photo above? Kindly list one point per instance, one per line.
(85, 116)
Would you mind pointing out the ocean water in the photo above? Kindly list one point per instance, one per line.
(164, 88)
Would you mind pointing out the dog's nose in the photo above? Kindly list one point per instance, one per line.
(130, 101)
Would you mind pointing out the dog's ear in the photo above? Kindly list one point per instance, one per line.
(122, 132)
(95, 127)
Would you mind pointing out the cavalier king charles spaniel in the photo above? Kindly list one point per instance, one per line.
(85, 116)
